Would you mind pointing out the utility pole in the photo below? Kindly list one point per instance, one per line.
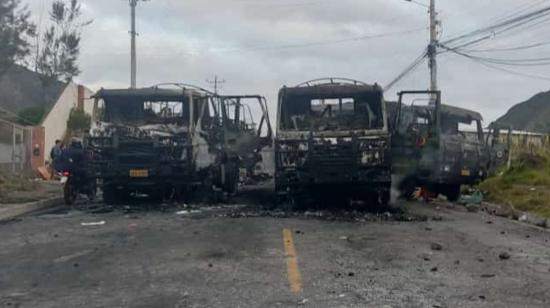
(216, 83)
(133, 34)
(432, 48)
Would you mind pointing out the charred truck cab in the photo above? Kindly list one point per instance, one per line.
(161, 142)
(245, 137)
(435, 146)
(333, 139)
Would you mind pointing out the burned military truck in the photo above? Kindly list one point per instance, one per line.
(434, 146)
(332, 139)
(161, 142)
(244, 136)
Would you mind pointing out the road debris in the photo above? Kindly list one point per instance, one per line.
(504, 255)
(303, 301)
(472, 208)
(436, 246)
(475, 198)
(187, 212)
(89, 224)
(488, 275)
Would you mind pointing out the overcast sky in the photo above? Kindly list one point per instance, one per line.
(257, 46)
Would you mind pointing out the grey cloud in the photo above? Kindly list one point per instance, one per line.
(190, 41)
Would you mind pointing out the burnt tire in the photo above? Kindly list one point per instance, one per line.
(385, 196)
(110, 195)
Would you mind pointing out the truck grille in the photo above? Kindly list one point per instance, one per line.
(332, 156)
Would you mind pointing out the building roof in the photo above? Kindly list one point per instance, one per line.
(21, 88)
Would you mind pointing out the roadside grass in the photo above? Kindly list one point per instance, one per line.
(525, 186)
(10, 183)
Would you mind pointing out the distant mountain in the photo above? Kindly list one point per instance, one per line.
(532, 115)
(21, 88)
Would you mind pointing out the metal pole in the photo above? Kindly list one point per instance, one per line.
(432, 48)
(13, 155)
(133, 64)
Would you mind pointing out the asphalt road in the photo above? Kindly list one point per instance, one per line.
(430, 256)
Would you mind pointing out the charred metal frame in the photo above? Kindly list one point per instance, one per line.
(351, 160)
(201, 153)
(434, 159)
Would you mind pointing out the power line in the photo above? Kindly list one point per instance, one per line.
(216, 83)
(498, 28)
(504, 49)
(485, 63)
(514, 12)
(322, 43)
(407, 70)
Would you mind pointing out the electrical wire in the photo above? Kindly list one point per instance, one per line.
(488, 64)
(498, 28)
(407, 70)
(515, 48)
(323, 43)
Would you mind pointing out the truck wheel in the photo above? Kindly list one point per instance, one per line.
(452, 192)
(109, 195)
(385, 196)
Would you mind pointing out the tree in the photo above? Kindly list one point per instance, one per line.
(16, 30)
(57, 59)
(79, 121)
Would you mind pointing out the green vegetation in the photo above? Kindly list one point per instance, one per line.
(31, 116)
(10, 183)
(526, 185)
(79, 121)
(16, 33)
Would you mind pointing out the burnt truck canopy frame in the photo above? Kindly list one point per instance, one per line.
(149, 106)
(331, 106)
(333, 138)
(436, 146)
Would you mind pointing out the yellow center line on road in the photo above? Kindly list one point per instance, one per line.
(293, 272)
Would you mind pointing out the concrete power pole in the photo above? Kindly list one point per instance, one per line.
(133, 34)
(216, 83)
(432, 48)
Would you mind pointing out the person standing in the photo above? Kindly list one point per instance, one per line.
(56, 155)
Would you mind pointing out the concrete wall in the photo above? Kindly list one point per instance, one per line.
(5, 153)
(88, 101)
(55, 123)
(39, 152)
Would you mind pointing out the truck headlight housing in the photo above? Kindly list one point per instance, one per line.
(371, 157)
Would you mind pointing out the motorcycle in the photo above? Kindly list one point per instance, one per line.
(75, 185)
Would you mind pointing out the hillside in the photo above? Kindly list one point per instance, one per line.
(531, 115)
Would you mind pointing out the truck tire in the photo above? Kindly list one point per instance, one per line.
(109, 195)
(385, 196)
